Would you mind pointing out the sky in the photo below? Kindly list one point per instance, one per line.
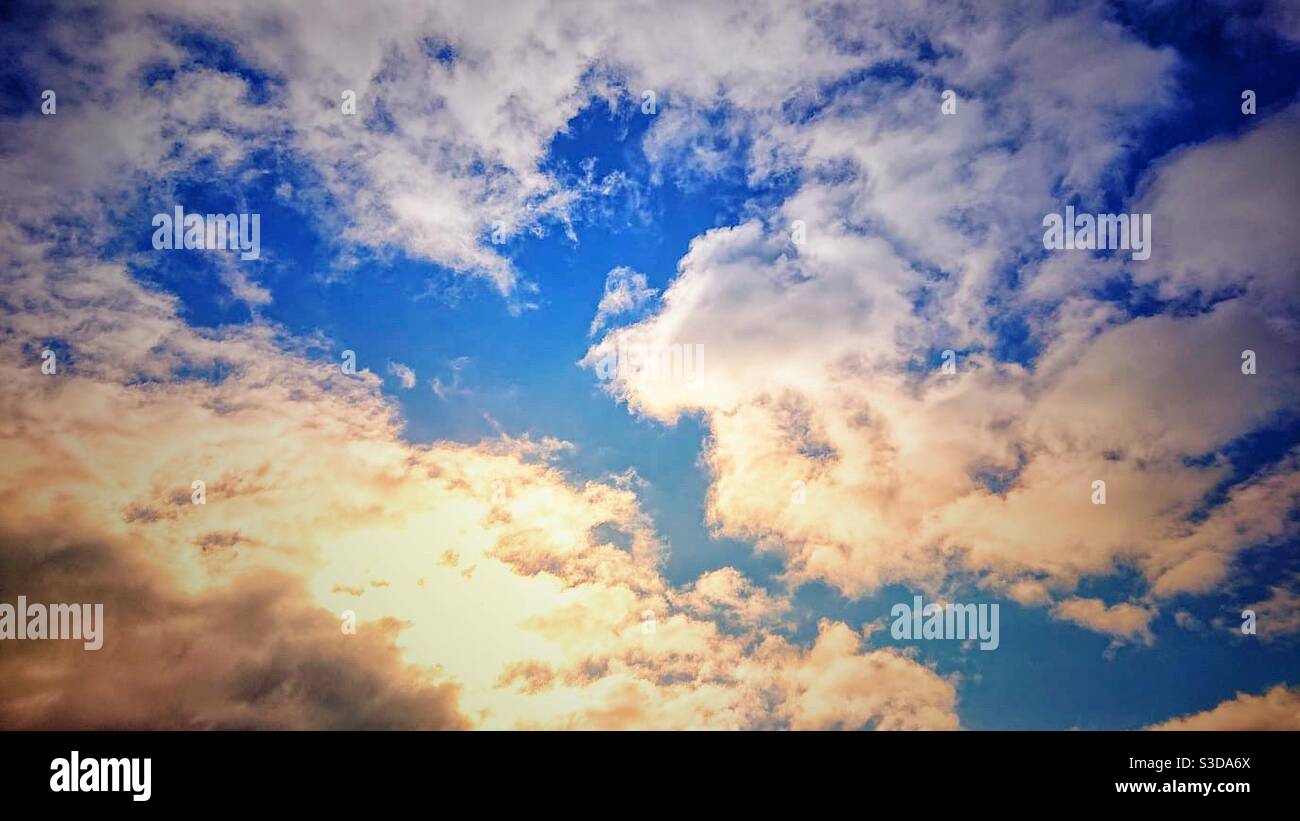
(899, 390)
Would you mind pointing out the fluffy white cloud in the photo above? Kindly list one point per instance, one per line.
(1225, 213)
(455, 104)
(836, 440)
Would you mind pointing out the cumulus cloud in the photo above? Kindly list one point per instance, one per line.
(1279, 614)
(485, 593)
(455, 106)
(726, 592)
(255, 653)
(1123, 620)
(1277, 709)
(822, 367)
(1223, 210)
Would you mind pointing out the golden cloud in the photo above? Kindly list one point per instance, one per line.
(485, 595)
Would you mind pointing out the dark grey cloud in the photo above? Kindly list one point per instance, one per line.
(255, 654)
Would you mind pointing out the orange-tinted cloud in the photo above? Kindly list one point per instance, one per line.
(1277, 709)
(231, 613)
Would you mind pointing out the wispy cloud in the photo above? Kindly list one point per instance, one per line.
(405, 375)
(625, 290)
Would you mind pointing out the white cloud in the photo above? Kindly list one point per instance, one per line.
(818, 352)
(625, 290)
(1225, 212)
(446, 390)
(821, 353)
(405, 375)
